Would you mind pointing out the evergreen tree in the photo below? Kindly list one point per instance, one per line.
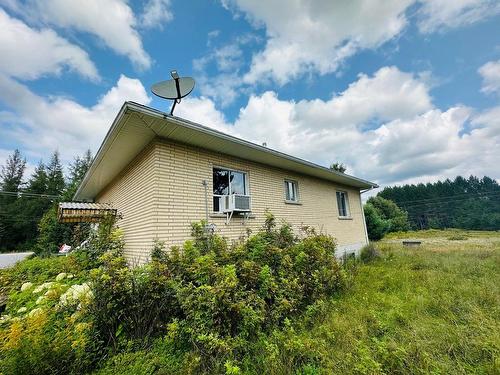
(77, 171)
(11, 175)
(38, 183)
(12, 172)
(52, 233)
(80, 166)
(55, 176)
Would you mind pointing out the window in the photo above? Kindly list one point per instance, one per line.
(291, 191)
(343, 204)
(226, 182)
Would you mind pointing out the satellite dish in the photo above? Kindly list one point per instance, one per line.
(174, 89)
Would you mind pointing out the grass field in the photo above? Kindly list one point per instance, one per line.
(431, 309)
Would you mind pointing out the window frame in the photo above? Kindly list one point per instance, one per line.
(346, 203)
(287, 181)
(246, 185)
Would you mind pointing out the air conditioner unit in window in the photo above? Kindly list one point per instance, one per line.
(236, 203)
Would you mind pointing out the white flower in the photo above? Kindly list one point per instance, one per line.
(69, 276)
(40, 300)
(22, 310)
(26, 286)
(76, 293)
(61, 276)
(39, 288)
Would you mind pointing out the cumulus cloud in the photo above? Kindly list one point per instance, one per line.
(439, 15)
(112, 21)
(156, 13)
(226, 61)
(29, 53)
(49, 123)
(318, 36)
(491, 77)
(384, 127)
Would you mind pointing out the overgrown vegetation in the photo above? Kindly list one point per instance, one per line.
(206, 308)
(273, 304)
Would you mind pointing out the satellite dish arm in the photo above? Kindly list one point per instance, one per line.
(178, 88)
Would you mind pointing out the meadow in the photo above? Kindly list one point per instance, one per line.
(429, 309)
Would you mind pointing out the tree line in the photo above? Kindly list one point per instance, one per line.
(467, 203)
(28, 207)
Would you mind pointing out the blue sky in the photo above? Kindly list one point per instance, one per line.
(398, 90)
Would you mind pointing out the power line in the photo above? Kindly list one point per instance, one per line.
(30, 195)
(497, 190)
(445, 200)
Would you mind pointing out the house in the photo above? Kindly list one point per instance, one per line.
(162, 173)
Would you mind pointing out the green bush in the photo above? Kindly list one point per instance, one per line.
(375, 225)
(212, 299)
(388, 210)
(384, 216)
(369, 253)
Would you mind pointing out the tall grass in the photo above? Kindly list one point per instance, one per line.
(433, 309)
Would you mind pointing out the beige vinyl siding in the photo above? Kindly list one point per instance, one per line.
(161, 193)
(133, 193)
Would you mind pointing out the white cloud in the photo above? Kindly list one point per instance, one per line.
(225, 85)
(317, 36)
(384, 127)
(112, 21)
(306, 36)
(28, 53)
(156, 13)
(491, 77)
(439, 15)
(44, 124)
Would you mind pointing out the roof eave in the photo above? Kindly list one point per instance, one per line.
(141, 109)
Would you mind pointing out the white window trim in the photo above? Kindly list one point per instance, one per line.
(347, 205)
(247, 185)
(297, 192)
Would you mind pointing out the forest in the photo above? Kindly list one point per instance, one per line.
(28, 203)
(464, 203)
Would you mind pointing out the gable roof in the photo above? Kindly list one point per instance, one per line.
(137, 125)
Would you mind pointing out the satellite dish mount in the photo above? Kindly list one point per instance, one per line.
(174, 89)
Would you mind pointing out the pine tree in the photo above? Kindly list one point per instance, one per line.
(77, 171)
(12, 172)
(38, 180)
(55, 176)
